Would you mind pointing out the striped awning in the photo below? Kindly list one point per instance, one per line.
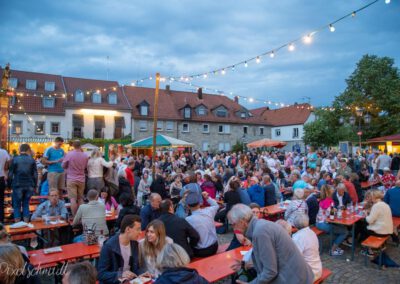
(17, 139)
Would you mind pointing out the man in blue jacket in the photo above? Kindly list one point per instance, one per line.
(23, 178)
(256, 192)
(119, 257)
(392, 198)
(151, 211)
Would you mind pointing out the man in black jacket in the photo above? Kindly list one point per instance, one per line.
(177, 228)
(340, 196)
(119, 257)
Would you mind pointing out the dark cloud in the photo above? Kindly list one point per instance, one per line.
(174, 37)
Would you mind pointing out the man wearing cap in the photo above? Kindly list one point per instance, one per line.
(388, 179)
(202, 220)
(344, 168)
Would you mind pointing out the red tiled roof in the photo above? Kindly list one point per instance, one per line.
(291, 115)
(394, 138)
(32, 101)
(90, 85)
(171, 103)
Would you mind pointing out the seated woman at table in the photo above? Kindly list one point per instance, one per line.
(379, 220)
(108, 200)
(53, 207)
(172, 262)
(307, 242)
(339, 231)
(297, 206)
(15, 267)
(149, 247)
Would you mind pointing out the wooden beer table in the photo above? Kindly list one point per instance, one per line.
(217, 267)
(348, 219)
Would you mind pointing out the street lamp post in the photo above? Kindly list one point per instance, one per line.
(359, 116)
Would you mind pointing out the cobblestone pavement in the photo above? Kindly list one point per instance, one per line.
(346, 271)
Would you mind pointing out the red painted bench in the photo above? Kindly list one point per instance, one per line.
(325, 274)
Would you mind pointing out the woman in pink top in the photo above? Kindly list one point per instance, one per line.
(324, 209)
(108, 200)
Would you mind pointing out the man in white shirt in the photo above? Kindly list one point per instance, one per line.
(307, 242)
(202, 220)
(383, 161)
(4, 163)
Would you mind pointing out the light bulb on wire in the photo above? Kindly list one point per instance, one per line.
(331, 28)
(245, 64)
(223, 72)
(307, 39)
(291, 47)
(272, 54)
(387, 1)
(258, 60)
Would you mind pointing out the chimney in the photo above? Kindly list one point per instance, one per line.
(200, 93)
(167, 89)
(236, 99)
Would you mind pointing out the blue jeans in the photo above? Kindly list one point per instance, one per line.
(21, 195)
(339, 231)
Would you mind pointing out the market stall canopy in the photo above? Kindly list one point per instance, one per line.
(161, 141)
(266, 143)
(89, 146)
(393, 138)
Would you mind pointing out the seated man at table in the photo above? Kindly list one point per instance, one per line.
(275, 256)
(92, 215)
(52, 207)
(392, 198)
(119, 256)
(178, 229)
(151, 211)
(202, 220)
(340, 197)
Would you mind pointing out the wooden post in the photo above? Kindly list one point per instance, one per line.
(153, 158)
(5, 92)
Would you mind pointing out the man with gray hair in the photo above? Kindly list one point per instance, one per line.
(307, 242)
(275, 256)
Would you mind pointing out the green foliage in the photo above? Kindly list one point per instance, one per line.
(375, 86)
(101, 142)
(237, 147)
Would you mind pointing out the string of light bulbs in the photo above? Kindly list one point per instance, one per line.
(290, 45)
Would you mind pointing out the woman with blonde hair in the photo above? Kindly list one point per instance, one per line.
(11, 263)
(95, 170)
(172, 261)
(154, 241)
(379, 221)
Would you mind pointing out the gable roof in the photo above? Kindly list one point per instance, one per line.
(291, 115)
(32, 100)
(171, 102)
(90, 85)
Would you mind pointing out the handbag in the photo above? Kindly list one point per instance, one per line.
(89, 235)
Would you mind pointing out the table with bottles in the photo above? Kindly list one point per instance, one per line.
(346, 217)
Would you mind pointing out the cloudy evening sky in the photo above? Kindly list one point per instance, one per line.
(74, 38)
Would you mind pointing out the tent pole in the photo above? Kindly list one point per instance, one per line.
(153, 158)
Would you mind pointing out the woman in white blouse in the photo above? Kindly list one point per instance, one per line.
(95, 170)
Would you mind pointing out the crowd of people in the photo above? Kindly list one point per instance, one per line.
(177, 200)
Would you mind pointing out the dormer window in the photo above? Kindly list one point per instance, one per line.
(187, 112)
(243, 115)
(31, 84)
(222, 113)
(201, 111)
(96, 98)
(49, 86)
(144, 110)
(12, 83)
(79, 96)
(48, 102)
(112, 98)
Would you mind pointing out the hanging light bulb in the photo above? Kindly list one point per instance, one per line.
(291, 47)
(353, 14)
(133, 84)
(387, 1)
(205, 76)
(258, 59)
(251, 100)
(331, 28)
(223, 72)
(307, 39)
(272, 54)
(245, 64)
(233, 68)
